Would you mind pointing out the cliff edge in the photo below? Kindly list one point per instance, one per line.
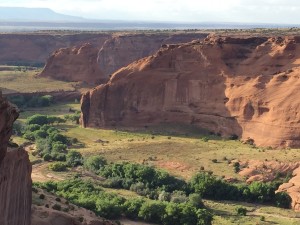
(15, 173)
(244, 86)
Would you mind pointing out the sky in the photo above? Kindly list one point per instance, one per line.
(244, 11)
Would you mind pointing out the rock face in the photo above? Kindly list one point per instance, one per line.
(35, 48)
(75, 64)
(93, 64)
(293, 189)
(243, 86)
(121, 50)
(15, 174)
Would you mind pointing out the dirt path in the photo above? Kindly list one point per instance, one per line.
(40, 173)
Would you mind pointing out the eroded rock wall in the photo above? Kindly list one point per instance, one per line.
(121, 50)
(75, 64)
(93, 64)
(15, 173)
(243, 86)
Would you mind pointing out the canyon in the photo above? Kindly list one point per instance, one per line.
(233, 86)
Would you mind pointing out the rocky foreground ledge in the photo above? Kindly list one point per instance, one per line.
(15, 173)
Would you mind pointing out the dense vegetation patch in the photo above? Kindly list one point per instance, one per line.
(111, 206)
(24, 101)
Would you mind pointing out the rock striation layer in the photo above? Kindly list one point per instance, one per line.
(15, 173)
(247, 86)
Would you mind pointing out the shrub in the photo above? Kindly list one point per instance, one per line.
(110, 208)
(74, 158)
(132, 207)
(38, 134)
(42, 196)
(195, 200)
(164, 196)
(58, 167)
(47, 157)
(37, 119)
(236, 167)
(56, 207)
(55, 119)
(57, 137)
(283, 200)
(214, 160)
(151, 211)
(58, 147)
(178, 197)
(95, 163)
(241, 211)
(58, 157)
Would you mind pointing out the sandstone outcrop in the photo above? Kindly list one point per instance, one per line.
(93, 64)
(15, 173)
(293, 189)
(246, 86)
(75, 64)
(121, 50)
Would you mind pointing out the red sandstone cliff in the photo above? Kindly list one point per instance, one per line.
(121, 50)
(75, 64)
(243, 86)
(15, 174)
(93, 63)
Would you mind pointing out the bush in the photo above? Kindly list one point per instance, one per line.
(195, 200)
(56, 207)
(58, 147)
(132, 207)
(178, 197)
(151, 211)
(58, 157)
(283, 200)
(57, 137)
(42, 196)
(110, 208)
(241, 211)
(37, 119)
(58, 167)
(74, 158)
(95, 163)
(47, 157)
(236, 167)
(38, 134)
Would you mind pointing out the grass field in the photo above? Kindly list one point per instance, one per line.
(13, 81)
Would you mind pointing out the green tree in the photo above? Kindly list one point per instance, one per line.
(37, 119)
(132, 207)
(95, 163)
(151, 211)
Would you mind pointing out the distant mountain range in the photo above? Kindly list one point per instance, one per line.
(31, 19)
(21, 14)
